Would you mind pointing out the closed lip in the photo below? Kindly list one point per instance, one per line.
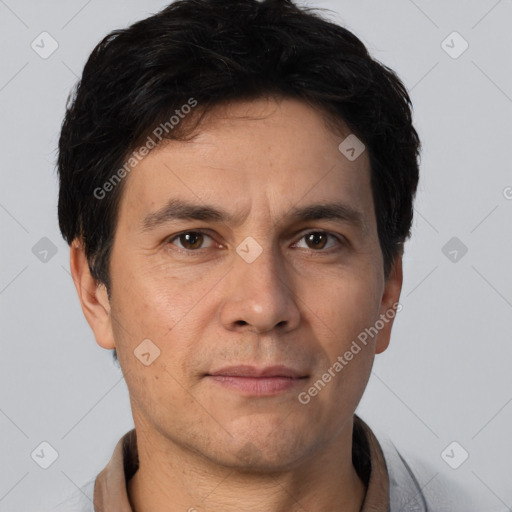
(253, 371)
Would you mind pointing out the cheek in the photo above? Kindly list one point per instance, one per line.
(351, 306)
(155, 391)
(154, 308)
(349, 310)
(154, 305)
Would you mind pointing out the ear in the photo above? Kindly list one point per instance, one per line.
(389, 304)
(93, 297)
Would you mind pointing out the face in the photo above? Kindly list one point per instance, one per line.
(226, 261)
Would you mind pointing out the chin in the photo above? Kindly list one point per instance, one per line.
(263, 452)
(250, 459)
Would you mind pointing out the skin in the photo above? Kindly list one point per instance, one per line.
(301, 303)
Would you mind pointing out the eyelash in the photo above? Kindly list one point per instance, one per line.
(191, 252)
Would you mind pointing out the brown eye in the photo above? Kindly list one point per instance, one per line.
(318, 240)
(190, 240)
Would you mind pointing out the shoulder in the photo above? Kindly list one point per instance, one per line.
(79, 501)
(417, 486)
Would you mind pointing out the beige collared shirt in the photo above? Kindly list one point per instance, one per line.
(393, 483)
(110, 490)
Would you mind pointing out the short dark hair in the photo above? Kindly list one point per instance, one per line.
(215, 52)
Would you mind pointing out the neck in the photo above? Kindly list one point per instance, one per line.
(175, 479)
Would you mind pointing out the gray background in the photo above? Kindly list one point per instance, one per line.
(446, 375)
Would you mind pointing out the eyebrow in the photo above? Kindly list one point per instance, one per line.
(178, 209)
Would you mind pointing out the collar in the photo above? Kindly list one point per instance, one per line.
(110, 489)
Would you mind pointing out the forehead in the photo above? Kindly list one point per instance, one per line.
(274, 153)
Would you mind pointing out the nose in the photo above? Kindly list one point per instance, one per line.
(259, 295)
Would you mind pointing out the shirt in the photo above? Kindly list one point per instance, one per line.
(391, 483)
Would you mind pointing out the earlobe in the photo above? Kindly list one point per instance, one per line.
(93, 297)
(389, 304)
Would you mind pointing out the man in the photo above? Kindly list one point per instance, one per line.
(236, 186)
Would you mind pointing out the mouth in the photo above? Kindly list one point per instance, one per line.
(250, 380)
